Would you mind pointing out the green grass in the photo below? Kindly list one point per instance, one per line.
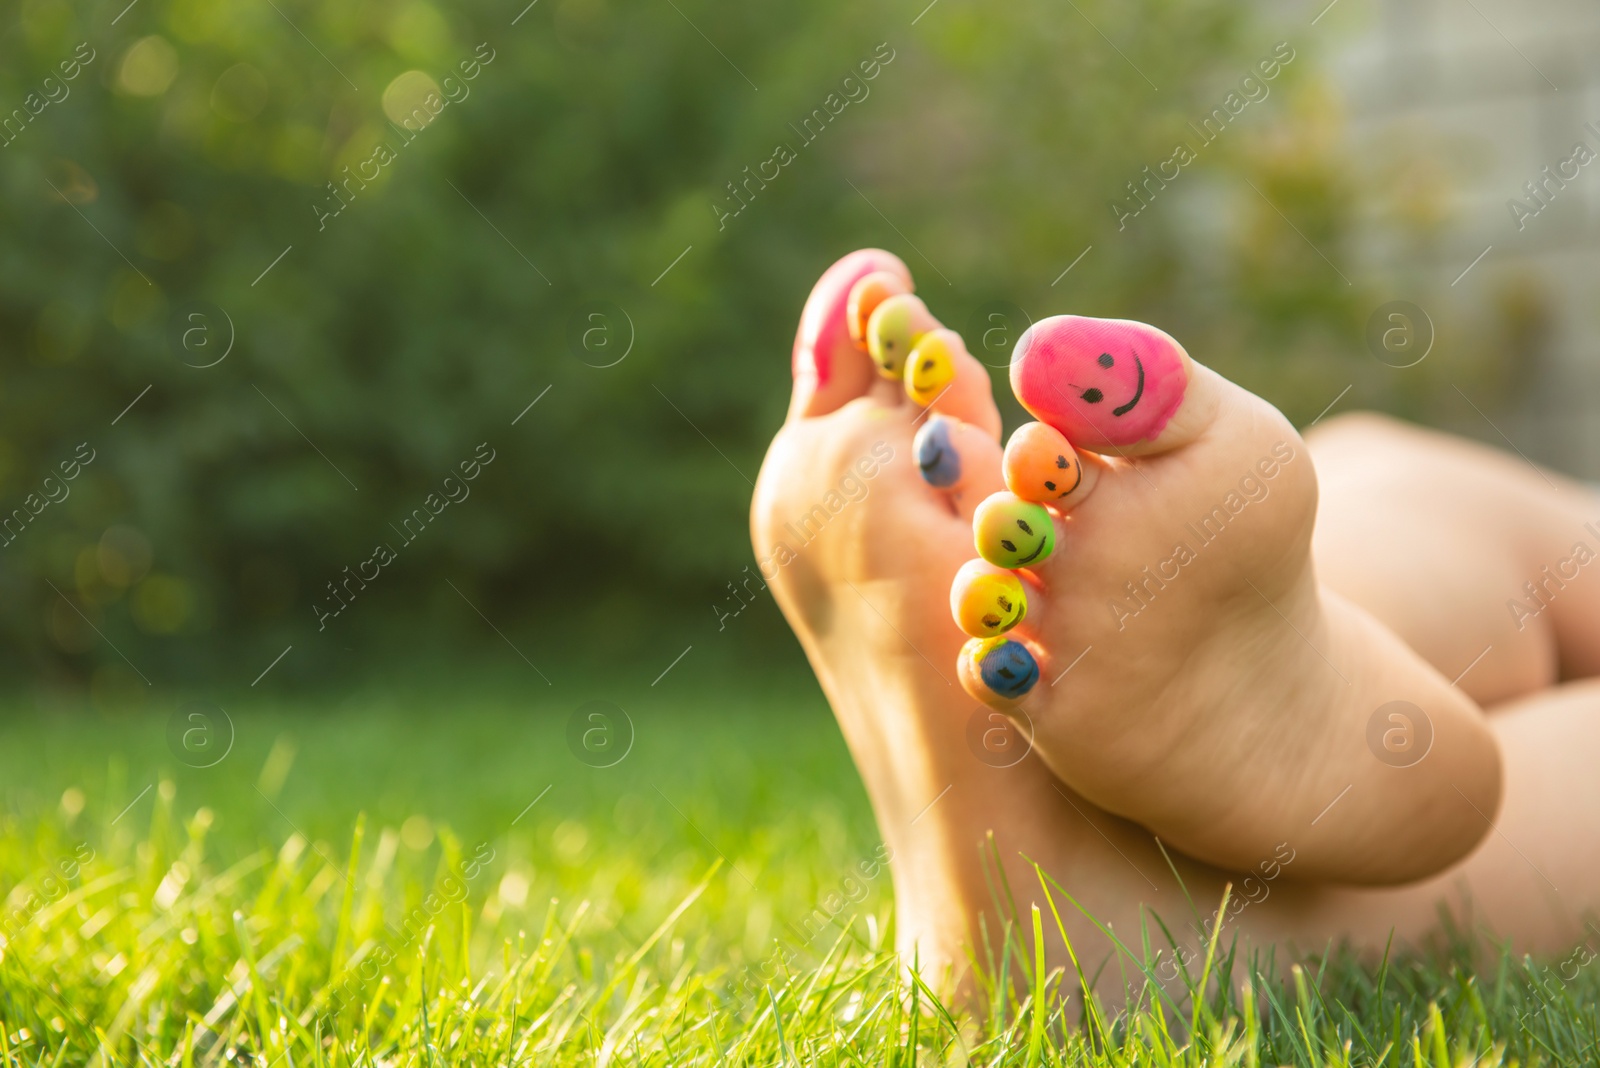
(364, 883)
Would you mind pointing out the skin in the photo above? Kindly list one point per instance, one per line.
(1011, 532)
(893, 330)
(931, 365)
(1040, 465)
(1187, 570)
(865, 610)
(987, 601)
(866, 295)
(937, 457)
(1100, 382)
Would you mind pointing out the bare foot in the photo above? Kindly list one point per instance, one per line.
(1178, 663)
(862, 515)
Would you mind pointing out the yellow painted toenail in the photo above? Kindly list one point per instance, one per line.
(931, 367)
(1010, 532)
(893, 330)
(988, 604)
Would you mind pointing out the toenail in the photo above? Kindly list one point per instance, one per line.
(989, 604)
(1005, 666)
(937, 459)
(892, 332)
(931, 367)
(870, 291)
(1010, 532)
(1099, 380)
(1040, 465)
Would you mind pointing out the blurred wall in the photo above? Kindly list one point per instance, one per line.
(1478, 125)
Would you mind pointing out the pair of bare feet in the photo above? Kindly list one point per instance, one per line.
(1146, 636)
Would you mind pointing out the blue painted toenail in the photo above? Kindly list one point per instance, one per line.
(936, 458)
(1009, 669)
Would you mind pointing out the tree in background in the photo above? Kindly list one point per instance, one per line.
(406, 218)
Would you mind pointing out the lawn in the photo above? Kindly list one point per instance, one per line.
(409, 875)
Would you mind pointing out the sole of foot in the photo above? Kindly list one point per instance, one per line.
(1147, 609)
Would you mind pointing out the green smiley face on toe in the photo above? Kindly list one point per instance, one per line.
(893, 331)
(1010, 532)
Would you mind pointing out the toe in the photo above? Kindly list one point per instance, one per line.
(930, 369)
(1041, 465)
(987, 601)
(958, 458)
(829, 368)
(866, 294)
(1114, 385)
(894, 328)
(1012, 533)
(1000, 672)
(943, 376)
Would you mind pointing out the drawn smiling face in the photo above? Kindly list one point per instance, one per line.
(1040, 464)
(1006, 667)
(1099, 381)
(1094, 394)
(986, 603)
(931, 366)
(1012, 533)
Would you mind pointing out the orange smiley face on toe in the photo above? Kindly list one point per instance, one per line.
(1040, 465)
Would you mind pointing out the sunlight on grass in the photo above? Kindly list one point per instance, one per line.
(714, 899)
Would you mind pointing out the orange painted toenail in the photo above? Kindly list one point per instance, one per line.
(865, 296)
(1040, 464)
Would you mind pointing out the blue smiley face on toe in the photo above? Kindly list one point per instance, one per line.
(938, 461)
(1008, 669)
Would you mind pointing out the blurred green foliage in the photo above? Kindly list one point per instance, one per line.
(377, 349)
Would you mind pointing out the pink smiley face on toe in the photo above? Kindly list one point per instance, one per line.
(1099, 381)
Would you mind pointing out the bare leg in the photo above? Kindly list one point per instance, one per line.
(1440, 538)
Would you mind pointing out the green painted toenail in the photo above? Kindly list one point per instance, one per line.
(892, 331)
(1010, 532)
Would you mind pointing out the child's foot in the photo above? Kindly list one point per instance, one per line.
(1176, 659)
(862, 515)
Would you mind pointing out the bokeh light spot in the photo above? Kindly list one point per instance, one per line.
(148, 67)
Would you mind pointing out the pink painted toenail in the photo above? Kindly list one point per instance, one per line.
(824, 324)
(1099, 381)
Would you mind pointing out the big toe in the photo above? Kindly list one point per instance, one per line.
(830, 368)
(1114, 385)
